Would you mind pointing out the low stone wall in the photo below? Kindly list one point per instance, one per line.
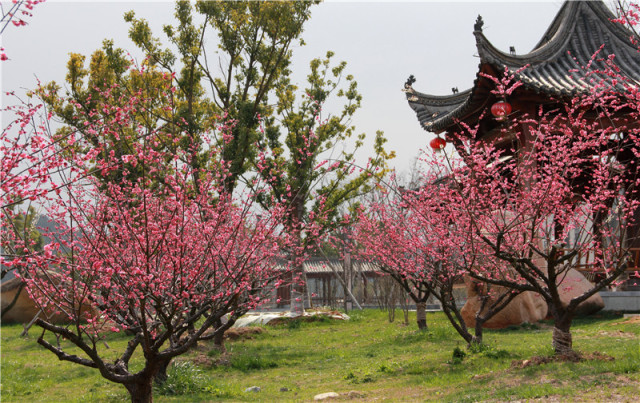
(621, 301)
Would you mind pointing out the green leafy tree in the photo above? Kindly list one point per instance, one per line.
(191, 89)
(308, 158)
(254, 55)
(253, 58)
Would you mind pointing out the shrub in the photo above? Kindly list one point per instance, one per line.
(182, 378)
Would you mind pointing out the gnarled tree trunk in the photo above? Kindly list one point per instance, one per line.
(141, 391)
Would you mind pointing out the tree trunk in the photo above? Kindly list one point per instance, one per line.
(161, 376)
(421, 315)
(141, 391)
(562, 317)
(477, 338)
(218, 342)
(295, 213)
(218, 338)
(562, 342)
(297, 291)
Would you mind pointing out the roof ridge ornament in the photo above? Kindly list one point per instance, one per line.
(409, 82)
(477, 27)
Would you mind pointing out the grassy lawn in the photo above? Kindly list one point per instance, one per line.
(367, 356)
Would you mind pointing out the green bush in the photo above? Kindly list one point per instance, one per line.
(182, 378)
(457, 356)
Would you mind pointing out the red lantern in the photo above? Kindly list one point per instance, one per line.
(500, 110)
(437, 144)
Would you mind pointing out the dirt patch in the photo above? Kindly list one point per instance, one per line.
(630, 319)
(202, 360)
(207, 361)
(237, 333)
(618, 334)
(574, 357)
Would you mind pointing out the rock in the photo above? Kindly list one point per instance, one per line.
(254, 389)
(527, 307)
(326, 396)
(354, 394)
(25, 309)
(575, 284)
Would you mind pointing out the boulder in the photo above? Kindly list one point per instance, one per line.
(575, 284)
(527, 307)
(25, 309)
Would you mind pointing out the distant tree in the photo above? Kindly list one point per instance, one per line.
(312, 170)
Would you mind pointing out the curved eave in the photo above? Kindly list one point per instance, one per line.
(439, 113)
(435, 112)
(552, 67)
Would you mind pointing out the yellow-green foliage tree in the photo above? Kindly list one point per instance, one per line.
(190, 89)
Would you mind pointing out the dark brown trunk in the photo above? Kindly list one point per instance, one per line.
(161, 376)
(477, 338)
(562, 341)
(218, 338)
(421, 315)
(141, 391)
(218, 342)
(453, 314)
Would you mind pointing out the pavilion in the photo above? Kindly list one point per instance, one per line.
(578, 31)
(550, 74)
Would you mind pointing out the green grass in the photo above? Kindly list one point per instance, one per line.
(379, 360)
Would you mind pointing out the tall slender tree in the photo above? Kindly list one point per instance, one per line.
(305, 152)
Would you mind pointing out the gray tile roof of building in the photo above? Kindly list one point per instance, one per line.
(578, 31)
(324, 266)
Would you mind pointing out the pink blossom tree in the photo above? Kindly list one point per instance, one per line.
(26, 158)
(564, 188)
(146, 243)
(158, 260)
(428, 248)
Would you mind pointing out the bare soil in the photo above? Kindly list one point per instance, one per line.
(575, 357)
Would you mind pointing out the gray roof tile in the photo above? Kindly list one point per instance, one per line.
(578, 31)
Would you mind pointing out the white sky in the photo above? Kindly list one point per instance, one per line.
(382, 42)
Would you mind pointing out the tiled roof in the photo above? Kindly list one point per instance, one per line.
(324, 266)
(575, 35)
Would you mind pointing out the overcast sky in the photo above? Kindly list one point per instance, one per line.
(382, 42)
